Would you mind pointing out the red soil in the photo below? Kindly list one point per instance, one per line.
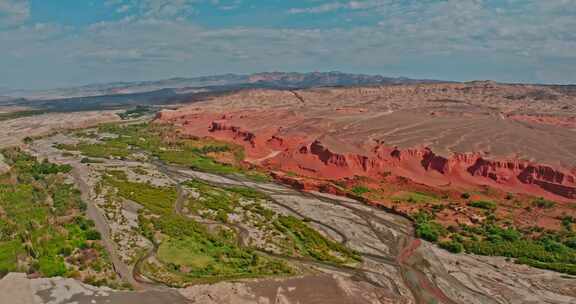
(483, 138)
(281, 140)
(565, 122)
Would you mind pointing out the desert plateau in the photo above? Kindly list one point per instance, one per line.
(288, 152)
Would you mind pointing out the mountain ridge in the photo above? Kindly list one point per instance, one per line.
(274, 79)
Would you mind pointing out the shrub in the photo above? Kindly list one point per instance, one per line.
(65, 251)
(87, 160)
(426, 228)
(567, 222)
(488, 205)
(93, 235)
(430, 231)
(360, 190)
(452, 246)
(543, 203)
(571, 242)
(52, 266)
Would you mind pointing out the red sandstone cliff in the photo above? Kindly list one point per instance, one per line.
(433, 134)
(316, 160)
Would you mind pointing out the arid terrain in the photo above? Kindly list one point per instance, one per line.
(14, 131)
(420, 193)
(511, 138)
(395, 266)
(531, 124)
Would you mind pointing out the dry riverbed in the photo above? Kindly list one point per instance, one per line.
(395, 267)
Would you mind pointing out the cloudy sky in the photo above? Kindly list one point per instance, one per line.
(46, 43)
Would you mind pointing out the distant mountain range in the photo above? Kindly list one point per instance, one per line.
(278, 80)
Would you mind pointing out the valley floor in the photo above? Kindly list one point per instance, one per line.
(302, 247)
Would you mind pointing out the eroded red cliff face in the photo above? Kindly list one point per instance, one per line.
(236, 133)
(307, 154)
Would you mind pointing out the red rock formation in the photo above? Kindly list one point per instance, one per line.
(343, 132)
(316, 160)
(236, 132)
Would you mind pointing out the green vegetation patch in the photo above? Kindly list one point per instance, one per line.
(248, 193)
(311, 243)
(415, 197)
(9, 252)
(187, 249)
(553, 250)
(163, 142)
(488, 205)
(159, 200)
(256, 176)
(196, 253)
(543, 203)
(427, 228)
(42, 225)
(219, 201)
(184, 252)
(136, 112)
(452, 246)
(107, 149)
(303, 240)
(202, 255)
(360, 190)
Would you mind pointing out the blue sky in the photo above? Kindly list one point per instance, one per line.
(56, 43)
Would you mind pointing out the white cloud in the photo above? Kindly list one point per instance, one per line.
(123, 8)
(348, 5)
(528, 27)
(13, 12)
(157, 9)
(525, 40)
